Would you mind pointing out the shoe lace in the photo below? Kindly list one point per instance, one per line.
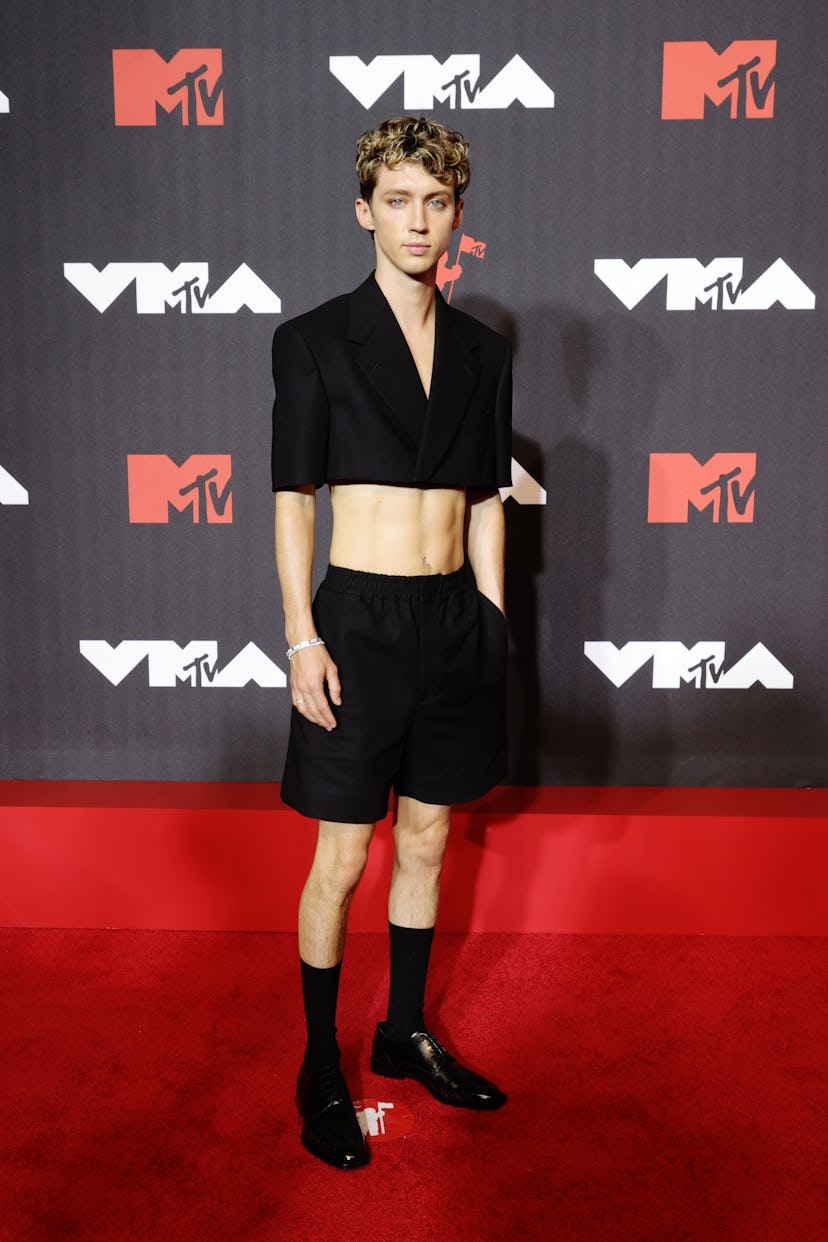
(330, 1084)
(437, 1047)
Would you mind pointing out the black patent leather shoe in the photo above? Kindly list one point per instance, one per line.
(424, 1058)
(330, 1128)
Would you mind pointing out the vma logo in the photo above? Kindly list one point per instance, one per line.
(718, 285)
(455, 82)
(202, 484)
(188, 86)
(185, 288)
(702, 665)
(724, 485)
(4, 103)
(524, 489)
(738, 83)
(11, 492)
(195, 664)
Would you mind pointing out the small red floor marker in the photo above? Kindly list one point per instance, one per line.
(381, 1120)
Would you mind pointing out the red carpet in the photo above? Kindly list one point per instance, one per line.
(661, 1088)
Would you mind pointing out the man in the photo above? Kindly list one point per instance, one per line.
(397, 670)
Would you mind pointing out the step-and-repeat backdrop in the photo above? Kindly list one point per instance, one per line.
(646, 221)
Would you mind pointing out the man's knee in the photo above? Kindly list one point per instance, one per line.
(340, 858)
(421, 834)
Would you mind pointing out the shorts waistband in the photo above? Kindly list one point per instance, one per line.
(394, 586)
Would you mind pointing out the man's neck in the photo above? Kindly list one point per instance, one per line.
(411, 300)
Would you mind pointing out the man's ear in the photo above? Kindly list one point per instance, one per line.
(458, 214)
(363, 214)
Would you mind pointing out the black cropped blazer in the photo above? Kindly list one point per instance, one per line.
(350, 405)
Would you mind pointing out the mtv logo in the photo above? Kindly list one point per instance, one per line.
(448, 274)
(189, 84)
(184, 288)
(717, 285)
(380, 1120)
(725, 485)
(701, 666)
(454, 82)
(201, 484)
(11, 492)
(195, 664)
(372, 1120)
(739, 82)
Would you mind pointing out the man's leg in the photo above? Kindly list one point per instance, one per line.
(420, 837)
(330, 1129)
(403, 1045)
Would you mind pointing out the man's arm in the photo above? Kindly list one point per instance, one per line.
(486, 542)
(312, 667)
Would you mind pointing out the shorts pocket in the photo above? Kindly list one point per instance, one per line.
(492, 608)
(492, 640)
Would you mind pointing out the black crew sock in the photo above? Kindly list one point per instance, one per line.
(320, 988)
(410, 949)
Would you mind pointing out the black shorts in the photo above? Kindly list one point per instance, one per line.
(422, 662)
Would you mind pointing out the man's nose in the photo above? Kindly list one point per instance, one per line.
(418, 221)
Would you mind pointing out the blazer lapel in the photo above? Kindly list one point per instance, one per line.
(456, 368)
(385, 359)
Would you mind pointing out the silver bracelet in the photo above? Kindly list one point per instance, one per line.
(309, 642)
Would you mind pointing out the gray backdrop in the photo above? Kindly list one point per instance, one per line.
(120, 637)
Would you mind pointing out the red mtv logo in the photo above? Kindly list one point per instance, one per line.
(740, 79)
(725, 483)
(449, 274)
(203, 483)
(190, 83)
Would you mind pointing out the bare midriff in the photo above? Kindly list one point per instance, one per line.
(389, 529)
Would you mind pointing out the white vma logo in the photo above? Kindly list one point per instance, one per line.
(4, 102)
(184, 288)
(523, 489)
(11, 492)
(194, 664)
(701, 665)
(455, 81)
(718, 284)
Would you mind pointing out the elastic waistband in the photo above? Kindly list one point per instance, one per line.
(393, 586)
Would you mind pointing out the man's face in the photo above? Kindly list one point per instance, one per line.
(412, 216)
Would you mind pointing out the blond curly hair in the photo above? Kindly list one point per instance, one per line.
(440, 151)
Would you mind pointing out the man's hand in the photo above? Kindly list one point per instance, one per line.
(310, 670)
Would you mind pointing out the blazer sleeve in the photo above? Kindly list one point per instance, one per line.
(503, 422)
(301, 413)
